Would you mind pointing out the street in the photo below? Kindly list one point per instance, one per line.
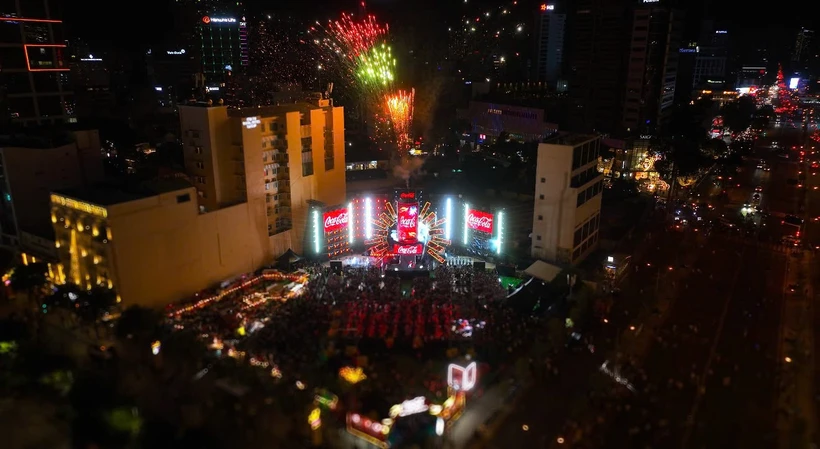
(698, 326)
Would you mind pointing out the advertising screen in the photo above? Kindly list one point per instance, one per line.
(336, 219)
(480, 221)
(408, 250)
(407, 222)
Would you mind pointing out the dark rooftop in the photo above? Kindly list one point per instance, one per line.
(107, 195)
(569, 139)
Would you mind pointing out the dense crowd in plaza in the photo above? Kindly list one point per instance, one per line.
(307, 330)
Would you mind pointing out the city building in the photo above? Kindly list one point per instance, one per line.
(489, 120)
(150, 243)
(222, 42)
(751, 75)
(252, 177)
(90, 82)
(652, 68)
(710, 62)
(803, 48)
(34, 80)
(173, 73)
(30, 168)
(567, 205)
(598, 45)
(550, 44)
(687, 56)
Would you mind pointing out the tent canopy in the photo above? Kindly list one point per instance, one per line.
(543, 271)
(289, 257)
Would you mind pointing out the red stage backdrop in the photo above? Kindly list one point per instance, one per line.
(408, 222)
(336, 219)
(480, 221)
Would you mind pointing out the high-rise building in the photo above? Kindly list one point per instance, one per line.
(34, 71)
(567, 205)
(711, 59)
(803, 47)
(90, 81)
(652, 68)
(598, 41)
(275, 158)
(550, 43)
(223, 47)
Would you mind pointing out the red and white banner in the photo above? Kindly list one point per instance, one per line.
(408, 250)
(408, 223)
(336, 219)
(480, 221)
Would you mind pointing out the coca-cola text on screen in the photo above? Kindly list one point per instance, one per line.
(336, 219)
(480, 221)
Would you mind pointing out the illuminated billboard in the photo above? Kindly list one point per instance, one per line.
(407, 223)
(794, 83)
(335, 220)
(45, 57)
(416, 249)
(480, 221)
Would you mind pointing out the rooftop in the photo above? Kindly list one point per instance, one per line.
(572, 140)
(107, 195)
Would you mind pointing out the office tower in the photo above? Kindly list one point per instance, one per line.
(802, 47)
(34, 71)
(567, 205)
(223, 47)
(652, 68)
(687, 56)
(550, 43)
(598, 44)
(710, 63)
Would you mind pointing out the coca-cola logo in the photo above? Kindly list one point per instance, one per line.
(409, 222)
(336, 220)
(480, 221)
(407, 250)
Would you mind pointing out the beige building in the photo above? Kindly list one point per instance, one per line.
(253, 172)
(567, 209)
(29, 170)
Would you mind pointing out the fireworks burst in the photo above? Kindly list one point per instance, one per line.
(348, 38)
(375, 68)
(356, 50)
(399, 108)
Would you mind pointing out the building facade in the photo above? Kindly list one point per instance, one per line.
(550, 44)
(567, 205)
(652, 68)
(711, 69)
(222, 42)
(28, 173)
(275, 158)
(598, 48)
(489, 120)
(34, 80)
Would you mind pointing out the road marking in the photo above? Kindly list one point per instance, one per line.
(690, 421)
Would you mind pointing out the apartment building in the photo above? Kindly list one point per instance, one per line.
(567, 209)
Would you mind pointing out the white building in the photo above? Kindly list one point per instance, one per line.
(567, 210)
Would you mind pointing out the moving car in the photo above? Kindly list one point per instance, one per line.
(759, 189)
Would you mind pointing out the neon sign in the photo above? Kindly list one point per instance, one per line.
(251, 122)
(461, 378)
(176, 52)
(208, 19)
(546, 7)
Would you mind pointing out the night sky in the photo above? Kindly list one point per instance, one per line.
(145, 23)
